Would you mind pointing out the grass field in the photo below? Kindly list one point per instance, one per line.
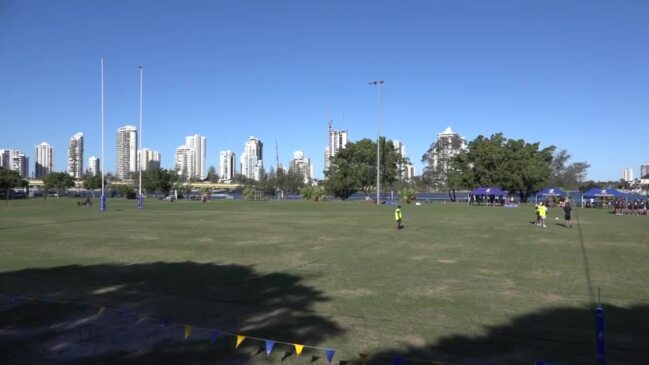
(462, 285)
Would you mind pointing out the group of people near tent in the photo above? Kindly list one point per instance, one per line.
(630, 207)
(487, 196)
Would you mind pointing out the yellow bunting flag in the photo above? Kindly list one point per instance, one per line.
(239, 340)
(363, 358)
(102, 309)
(298, 348)
(188, 331)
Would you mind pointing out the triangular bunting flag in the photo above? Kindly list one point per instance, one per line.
(214, 335)
(298, 348)
(188, 330)
(102, 309)
(269, 347)
(398, 360)
(363, 358)
(329, 353)
(239, 340)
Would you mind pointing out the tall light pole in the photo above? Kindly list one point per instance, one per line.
(378, 84)
(140, 199)
(102, 205)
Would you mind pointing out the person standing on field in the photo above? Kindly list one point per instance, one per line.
(543, 210)
(567, 210)
(397, 216)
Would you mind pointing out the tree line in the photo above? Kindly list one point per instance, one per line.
(520, 167)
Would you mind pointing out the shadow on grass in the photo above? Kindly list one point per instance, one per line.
(146, 308)
(559, 336)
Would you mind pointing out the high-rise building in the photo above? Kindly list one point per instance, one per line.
(227, 168)
(410, 172)
(337, 141)
(407, 171)
(644, 170)
(126, 166)
(19, 162)
(627, 174)
(252, 164)
(185, 162)
(198, 144)
(15, 160)
(149, 159)
(449, 145)
(44, 160)
(93, 166)
(302, 166)
(4, 158)
(75, 156)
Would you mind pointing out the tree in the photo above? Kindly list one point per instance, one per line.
(59, 181)
(212, 176)
(514, 165)
(438, 160)
(291, 181)
(126, 191)
(92, 182)
(407, 195)
(315, 193)
(159, 179)
(9, 179)
(567, 176)
(354, 168)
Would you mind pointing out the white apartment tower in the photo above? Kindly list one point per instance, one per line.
(302, 166)
(407, 171)
(252, 163)
(198, 144)
(185, 162)
(15, 160)
(451, 144)
(44, 160)
(337, 141)
(75, 156)
(20, 163)
(627, 174)
(126, 152)
(149, 159)
(93, 166)
(644, 170)
(4, 158)
(227, 166)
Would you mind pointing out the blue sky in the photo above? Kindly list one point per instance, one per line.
(574, 74)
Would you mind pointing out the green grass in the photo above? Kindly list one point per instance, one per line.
(458, 284)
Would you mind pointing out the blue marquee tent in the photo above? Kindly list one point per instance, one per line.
(551, 192)
(606, 193)
(487, 191)
(601, 193)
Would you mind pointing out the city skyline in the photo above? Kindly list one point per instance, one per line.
(153, 158)
(555, 73)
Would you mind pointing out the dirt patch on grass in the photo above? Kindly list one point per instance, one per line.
(447, 261)
(353, 293)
